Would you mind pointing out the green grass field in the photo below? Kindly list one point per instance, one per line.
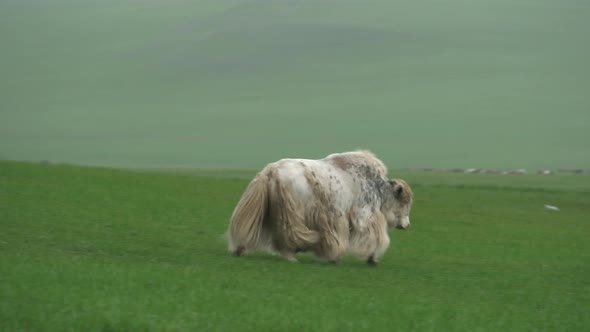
(98, 249)
(237, 83)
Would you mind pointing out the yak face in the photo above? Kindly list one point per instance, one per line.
(397, 204)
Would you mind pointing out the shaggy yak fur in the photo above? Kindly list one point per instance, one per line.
(342, 203)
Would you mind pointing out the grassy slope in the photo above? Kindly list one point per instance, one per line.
(101, 249)
(232, 83)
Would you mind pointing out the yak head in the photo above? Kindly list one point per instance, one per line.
(397, 204)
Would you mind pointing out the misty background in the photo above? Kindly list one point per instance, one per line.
(237, 84)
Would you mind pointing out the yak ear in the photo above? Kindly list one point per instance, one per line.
(398, 189)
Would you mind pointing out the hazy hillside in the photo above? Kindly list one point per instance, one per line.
(239, 83)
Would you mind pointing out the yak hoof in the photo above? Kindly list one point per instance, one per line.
(241, 251)
(372, 261)
(291, 259)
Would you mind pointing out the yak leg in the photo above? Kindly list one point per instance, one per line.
(333, 238)
(371, 240)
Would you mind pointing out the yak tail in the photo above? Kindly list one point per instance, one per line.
(245, 229)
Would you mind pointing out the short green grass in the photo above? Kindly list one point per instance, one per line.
(93, 249)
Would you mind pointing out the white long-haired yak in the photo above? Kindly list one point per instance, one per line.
(341, 203)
